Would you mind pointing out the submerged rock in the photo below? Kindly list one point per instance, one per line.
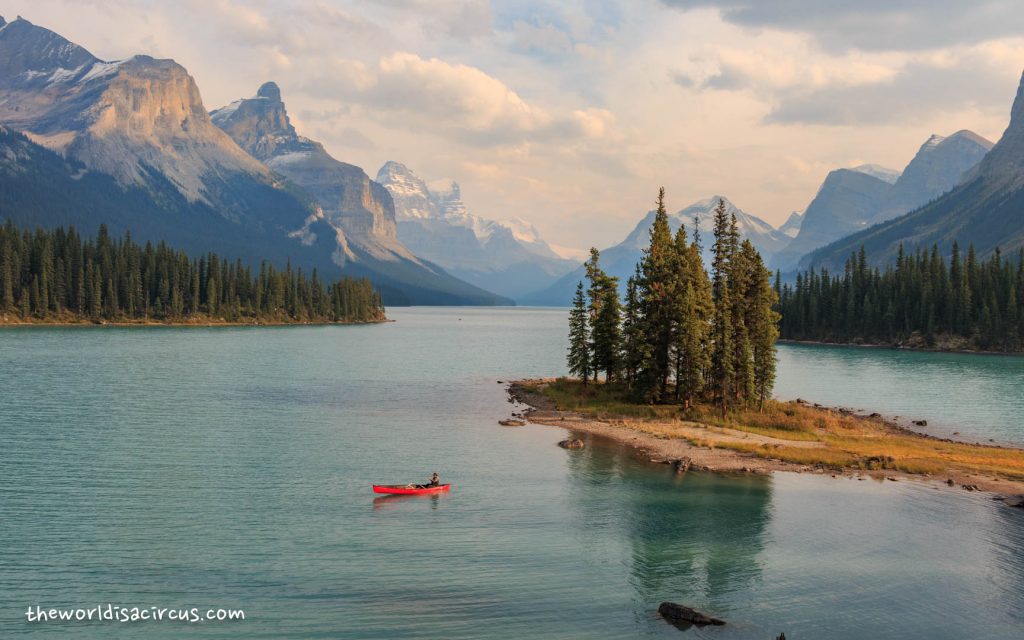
(681, 613)
(1014, 501)
(571, 443)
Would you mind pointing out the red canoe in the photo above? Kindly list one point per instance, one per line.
(409, 489)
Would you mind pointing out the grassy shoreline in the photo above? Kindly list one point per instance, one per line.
(787, 436)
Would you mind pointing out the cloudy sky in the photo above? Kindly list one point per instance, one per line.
(571, 114)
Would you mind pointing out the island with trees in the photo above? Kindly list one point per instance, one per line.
(682, 367)
(59, 277)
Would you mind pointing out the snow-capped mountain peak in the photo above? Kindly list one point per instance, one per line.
(884, 174)
(434, 221)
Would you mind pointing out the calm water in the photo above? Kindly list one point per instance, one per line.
(231, 468)
(980, 396)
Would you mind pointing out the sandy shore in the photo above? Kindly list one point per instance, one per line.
(541, 410)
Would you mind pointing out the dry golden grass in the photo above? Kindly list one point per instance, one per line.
(790, 432)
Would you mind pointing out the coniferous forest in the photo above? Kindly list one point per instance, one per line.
(60, 276)
(680, 336)
(921, 301)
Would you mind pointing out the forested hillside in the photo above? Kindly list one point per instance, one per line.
(59, 276)
(921, 301)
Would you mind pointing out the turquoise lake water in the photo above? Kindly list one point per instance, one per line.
(231, 468)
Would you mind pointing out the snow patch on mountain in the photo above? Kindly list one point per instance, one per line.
(885, 174)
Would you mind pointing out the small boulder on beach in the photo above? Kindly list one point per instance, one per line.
(921, 423)
(681, 613)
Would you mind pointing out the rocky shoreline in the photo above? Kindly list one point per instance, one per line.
(683, 455)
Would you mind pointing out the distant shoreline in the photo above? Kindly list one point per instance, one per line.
(197, 323)
(898, 347)
(726, 450)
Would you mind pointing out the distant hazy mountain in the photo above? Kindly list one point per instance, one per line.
(359, 211)
(621, 259)
(848, 203)
(936, 168)
(986, 210)
(844, 204)
(507, 257)
(791, 227)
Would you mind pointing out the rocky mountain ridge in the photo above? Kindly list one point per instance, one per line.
(508, 257)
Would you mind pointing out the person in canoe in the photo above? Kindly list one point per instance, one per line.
(435, 481)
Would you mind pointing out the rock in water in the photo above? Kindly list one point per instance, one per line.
(511, 423)
(1015, 501)
(681, 613)
(571, 443)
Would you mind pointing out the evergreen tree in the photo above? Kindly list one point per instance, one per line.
(634, 345)
(579, 337)
(693, 315)
(657, 292)
(605, 319)
(763, 323)
(722, 373)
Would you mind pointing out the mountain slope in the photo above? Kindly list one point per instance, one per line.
(621, 259)
(848, 203)
(986, 211)
(131, 131)
(937, 167)
(39, 187)
(791, 227)
(843, 205)
(141, 123)
(359, 211)
(508, 257)
(129, 119)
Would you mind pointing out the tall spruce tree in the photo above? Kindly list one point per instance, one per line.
(763, 326)
(740, 280)
(605, 318)
(658, 284)
(579, 337)
(722, 372)
(693, 317)
(634, 345)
